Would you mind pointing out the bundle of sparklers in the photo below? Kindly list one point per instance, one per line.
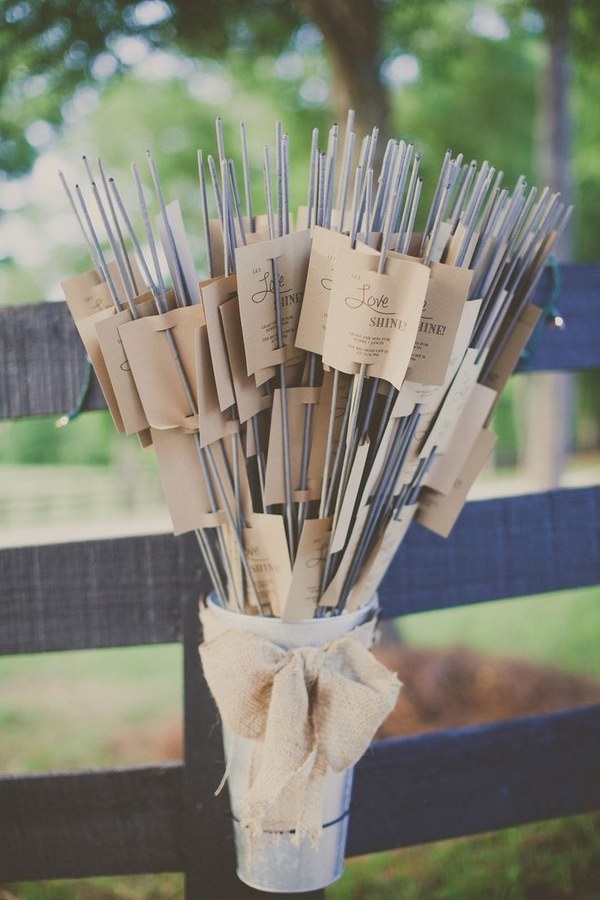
(330, 380)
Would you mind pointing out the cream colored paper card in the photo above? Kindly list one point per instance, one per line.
(215, 293)
(380, 558)
(117, 364)
(297, 400)
(213, 424)
(438, 512)
(182, 265)
(455, 243)
(307, 573)
(249, 398)
(333, 592)
(446, 296)
(344, 519)
(268, 558)
(373, 318)
(434, 250)
(257, 296)
(448, 465)
(154, 368)
(454, 402)
(313, 315)
(182, 480)
(321, 424)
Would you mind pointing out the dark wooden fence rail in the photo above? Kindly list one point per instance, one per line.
(144, 590)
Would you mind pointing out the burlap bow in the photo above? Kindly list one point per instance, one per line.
(311, 708)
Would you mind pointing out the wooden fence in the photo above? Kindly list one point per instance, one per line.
(144, 590)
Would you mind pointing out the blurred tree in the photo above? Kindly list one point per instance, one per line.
(48, 48)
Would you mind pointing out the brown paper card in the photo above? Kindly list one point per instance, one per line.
(510, 354)
(297, 400)
(215, 293)
(448, 465)
(153, 365)
(86, 327)
(88, 293)
(249, 398)
(145, 438)
(381, 556)
(268, 558)
(182, 481)
(373, 318)
(257, 298)
(213, 424)
(313, 315)
(444, 302)
(220, 456)
(117, 364)
(81, 297)
(438, 512)
(307, 573)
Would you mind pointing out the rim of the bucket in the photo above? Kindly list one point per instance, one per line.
(212, 601)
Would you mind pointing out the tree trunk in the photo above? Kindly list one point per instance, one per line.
(550, 394)
(351, 29)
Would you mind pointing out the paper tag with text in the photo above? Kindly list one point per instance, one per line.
(257, 296)
(373, 318)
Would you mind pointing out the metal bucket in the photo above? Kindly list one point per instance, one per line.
(272, 862)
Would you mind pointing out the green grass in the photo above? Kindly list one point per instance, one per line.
(107, 705)
(559, 629)
(544, 861)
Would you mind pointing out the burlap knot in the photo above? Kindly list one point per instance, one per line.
(312, 708)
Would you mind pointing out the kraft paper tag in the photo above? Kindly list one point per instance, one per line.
(297, 400)
(448, 465)
(378, 562)
(153, 365)
(249, 398)
(182, 481)
(373, 318)
(307, 573)
(213, 424)
(508, 358)
(86, 327)
(268, 558)
(181, 266)
(446, 296)
(117, 364)
(88, 293)
(438, 512)
(313, 315)
(81, 297)
(257, 296)
(215, 293)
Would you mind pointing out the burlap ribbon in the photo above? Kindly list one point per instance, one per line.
(311, 709)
